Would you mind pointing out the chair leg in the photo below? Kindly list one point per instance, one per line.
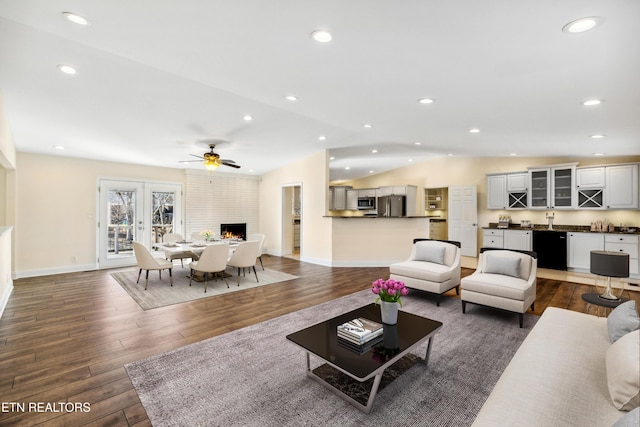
(206, 278)
(238, 276)
(139, 273)
(160, 274)
(464, 306)
(146, 280)
(261, 265)
(254, 272)
(458, 290)
(170, 277)
(190, 276)
(533, 306)
(437, 300)
(521, 318)
(225, 279)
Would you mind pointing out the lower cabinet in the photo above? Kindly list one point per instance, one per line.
(626, 244)
(507, 239)
(580, 247)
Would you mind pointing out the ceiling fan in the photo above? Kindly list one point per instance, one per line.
(212, 160)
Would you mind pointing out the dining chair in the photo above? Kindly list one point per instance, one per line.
(146, 261)
(258, 238)
(171, 255)
(212, 260)
(245, 256)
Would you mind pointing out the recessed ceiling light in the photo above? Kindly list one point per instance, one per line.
(450, 154)
(370, 171)
(581, 25)
(598, 154)
(347, 168)
(474, 130)
(410, 160)
(374, 151)
(513, 154)
(291, 98)
(332, 158)
(592, 102)
(597, 136)
(321, 36)
(58, 147)
(247, 118)
(322, 138)
(417, 143)
(67, 69)
(76, 19)
(425, 100)
(368, 125)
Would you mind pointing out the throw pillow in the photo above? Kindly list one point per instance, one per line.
(631, 419)
(622, 320)
(507, 266)
(430, 253)
(623, 371)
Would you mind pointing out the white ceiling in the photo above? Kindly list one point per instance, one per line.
(155, 77)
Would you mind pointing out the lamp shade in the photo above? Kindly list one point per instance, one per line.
(611, 264)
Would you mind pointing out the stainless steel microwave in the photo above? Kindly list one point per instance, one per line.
(366, 203)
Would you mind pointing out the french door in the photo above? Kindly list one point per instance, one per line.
(135, 211)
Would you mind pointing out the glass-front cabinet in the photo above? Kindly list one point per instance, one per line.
(552, 188)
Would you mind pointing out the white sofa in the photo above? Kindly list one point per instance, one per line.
(433, 266)
(559, 375)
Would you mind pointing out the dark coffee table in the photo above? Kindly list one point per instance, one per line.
(321, 340)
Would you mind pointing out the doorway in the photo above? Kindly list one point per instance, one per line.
(463, 218)
(292, 221)
(134, 211)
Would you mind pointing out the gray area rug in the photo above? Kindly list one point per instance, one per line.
(160, 293)
(255, 377)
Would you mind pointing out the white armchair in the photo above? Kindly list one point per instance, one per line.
(171, 255)
(505, 279)
(433, 266)
(212, 260)
(258, 238)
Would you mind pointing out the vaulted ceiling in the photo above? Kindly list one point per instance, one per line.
(159, 80)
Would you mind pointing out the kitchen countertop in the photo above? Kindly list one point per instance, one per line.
(376, 217)
(566, 228)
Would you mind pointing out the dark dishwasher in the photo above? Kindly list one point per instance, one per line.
(551, 248)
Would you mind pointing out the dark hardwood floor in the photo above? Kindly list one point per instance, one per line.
(67, 337)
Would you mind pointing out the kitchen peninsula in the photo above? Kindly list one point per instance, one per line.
(372, 241)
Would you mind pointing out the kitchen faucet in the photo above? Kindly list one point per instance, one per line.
(550, 219)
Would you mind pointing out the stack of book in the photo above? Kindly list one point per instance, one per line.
(359, 334)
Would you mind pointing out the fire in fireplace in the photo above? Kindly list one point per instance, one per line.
(233, 231)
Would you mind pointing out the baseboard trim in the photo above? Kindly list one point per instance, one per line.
(5, 298)
(57, 270)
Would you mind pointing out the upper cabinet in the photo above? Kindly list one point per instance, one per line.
(621, 187)
(566, 187)
(338, 198)
(552, 188)
(496, 191)
(607, 187)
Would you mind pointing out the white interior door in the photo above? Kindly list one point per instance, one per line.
(135, 211)
(463, 218)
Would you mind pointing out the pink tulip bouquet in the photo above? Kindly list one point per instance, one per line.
(389, 290)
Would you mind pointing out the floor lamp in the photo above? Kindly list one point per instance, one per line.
(610, 264)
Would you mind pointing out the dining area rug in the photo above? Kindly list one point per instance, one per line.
(160, 293)
(255, 377)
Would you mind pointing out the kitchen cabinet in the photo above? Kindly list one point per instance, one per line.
(352, 200)
(624, 243)
(518, 239)
(579, 249)
(492, 238)
(621, 186)
(589, 178)
(497, 191)
(507, 239)
(338, 197)
(552, 188)
(437, 230)
(366, 192)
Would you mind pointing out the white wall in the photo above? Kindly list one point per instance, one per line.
(7, 206)
(312, 174)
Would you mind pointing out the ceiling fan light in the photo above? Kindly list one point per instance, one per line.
(211, 164)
